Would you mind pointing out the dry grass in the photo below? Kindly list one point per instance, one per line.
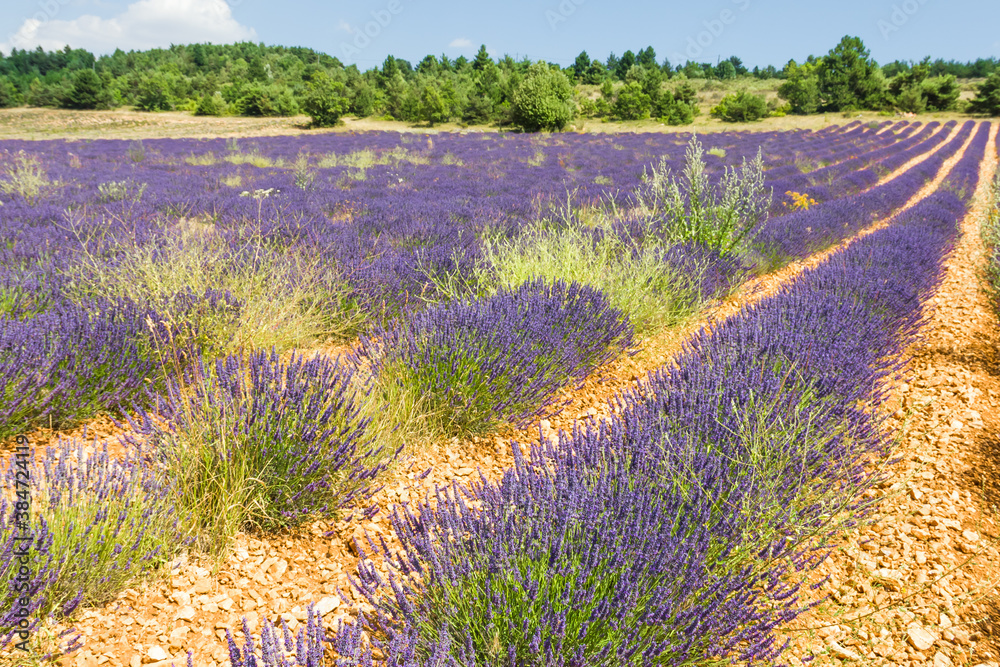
(32, 123)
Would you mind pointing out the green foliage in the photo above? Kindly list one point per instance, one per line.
(87, 91)
(433, 107)
(741, 107)
(632, 275)
(849, 79)
(325, 102)
(987, 99)
(153, 95)
(264, 100)
(254, 79)
(543, 100)
(941, 93)
(9, 96)
(211, 105)
(913, 89)
(725, 218)
(631, 103)
(725, 70)
(800, 88)
(678, 107)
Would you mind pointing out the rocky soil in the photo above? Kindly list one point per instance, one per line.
(919, 586)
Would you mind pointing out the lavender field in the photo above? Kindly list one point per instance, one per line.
(276, 323)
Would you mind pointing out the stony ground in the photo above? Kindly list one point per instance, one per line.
(917, 587)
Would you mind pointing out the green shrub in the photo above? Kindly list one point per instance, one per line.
(849, 79)
(260, 100)
(741, 107)
(153, 95)
(210, 105)
(543, 100)
(325, 101)
(87, 92)
(987, 99)
(9, 96)
(800, 88)
(724, 218)
(631, 103)
(672, 109)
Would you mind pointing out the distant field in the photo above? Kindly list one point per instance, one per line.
(38, 123)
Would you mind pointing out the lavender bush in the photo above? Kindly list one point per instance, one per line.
(71, 362)
(569, 563)
(98, 524)
(256, 442)
(281, 649)
(470, 365)
(991, 236)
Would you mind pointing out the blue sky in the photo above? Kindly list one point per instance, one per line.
(363, 32)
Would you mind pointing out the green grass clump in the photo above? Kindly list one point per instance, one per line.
(283, 297)
(254, 442)
(365, 158)
(634, 278)
(22, 174)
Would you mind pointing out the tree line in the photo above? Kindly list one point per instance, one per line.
(257, 80)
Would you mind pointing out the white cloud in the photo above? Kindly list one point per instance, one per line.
(143, 25)
(345, 26)
(460, 43)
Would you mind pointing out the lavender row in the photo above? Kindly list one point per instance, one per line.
(991, 235)
(475, 364)
(801, 233)
(849, 176)
(637, 526)
(399, 218)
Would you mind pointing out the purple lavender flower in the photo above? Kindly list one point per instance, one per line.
(476, 363)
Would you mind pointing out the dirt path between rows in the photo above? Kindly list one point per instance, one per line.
(190, 608)
(919, 585)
